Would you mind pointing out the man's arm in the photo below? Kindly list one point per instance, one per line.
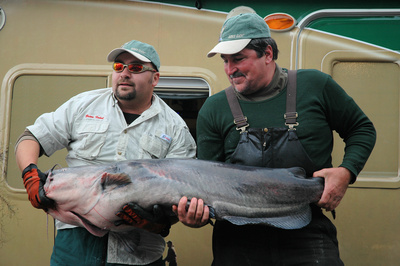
(27, 154)
(359, 134)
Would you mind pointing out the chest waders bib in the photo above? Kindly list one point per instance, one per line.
(315, 244)
(270, 147)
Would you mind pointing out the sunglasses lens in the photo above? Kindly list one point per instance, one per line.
(136, 68)
(118, 67)
(133, 68)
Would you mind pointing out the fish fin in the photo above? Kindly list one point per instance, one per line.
(211, 211)
(333, 214)
(111, 181)
(294, 221)
(211, 215)
(298, 172)
(56, 166)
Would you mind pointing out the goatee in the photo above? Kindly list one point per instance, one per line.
(125, 96)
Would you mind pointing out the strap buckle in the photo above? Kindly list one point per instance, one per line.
(291, 115)
(291, 126)
(242, 122)
(291, 118)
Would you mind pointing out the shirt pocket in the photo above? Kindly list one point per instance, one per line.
(156, 146)
(92, 136)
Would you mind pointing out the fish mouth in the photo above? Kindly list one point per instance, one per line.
(93, 229)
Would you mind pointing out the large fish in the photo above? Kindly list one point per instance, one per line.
(89, 196)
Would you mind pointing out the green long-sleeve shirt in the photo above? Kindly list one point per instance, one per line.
(322, 106)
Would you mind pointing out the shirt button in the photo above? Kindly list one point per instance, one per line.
(125, 131)
(119, 153)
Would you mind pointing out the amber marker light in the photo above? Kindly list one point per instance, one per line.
(280, 21)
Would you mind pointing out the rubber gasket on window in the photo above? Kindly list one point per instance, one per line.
(2, 18)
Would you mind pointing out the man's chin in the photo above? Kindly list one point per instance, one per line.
(125, 96)
(239, 88)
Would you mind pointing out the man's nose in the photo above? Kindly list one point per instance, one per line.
(125, 72)
(231, 68)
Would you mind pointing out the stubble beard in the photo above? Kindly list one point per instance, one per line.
(244, 86)
(125, 96)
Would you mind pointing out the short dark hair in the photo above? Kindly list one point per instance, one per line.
(260, 45)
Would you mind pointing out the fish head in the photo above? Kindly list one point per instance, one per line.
(72, 189)
(74, 192)
(83, 197)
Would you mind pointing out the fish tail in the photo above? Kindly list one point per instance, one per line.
(333, 214)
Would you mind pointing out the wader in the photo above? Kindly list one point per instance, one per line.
(315, 244)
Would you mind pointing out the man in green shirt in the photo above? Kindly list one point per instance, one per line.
(277, 132)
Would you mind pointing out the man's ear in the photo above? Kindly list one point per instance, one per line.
(156, 78)
(269, 54)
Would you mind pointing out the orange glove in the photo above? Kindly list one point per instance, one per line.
(155, 222)
(34, 180)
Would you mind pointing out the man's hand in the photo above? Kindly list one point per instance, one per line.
(155, 221)
(34, 180)
(196, 215)
(336, 183)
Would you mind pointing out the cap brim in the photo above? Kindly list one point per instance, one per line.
(114, 54)
(229, 47)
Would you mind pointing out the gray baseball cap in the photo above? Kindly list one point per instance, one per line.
(143, 51)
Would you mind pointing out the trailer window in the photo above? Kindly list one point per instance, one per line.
(375, 87)
(185, 96)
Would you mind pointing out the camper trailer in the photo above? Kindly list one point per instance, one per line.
(51, 50)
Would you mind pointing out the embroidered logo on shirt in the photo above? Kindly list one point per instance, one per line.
(166, 138)
(94, 117)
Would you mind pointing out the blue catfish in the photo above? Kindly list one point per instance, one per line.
(89, 196)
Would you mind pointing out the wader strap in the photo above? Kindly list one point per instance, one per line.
(291, 114)
(238, 118)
